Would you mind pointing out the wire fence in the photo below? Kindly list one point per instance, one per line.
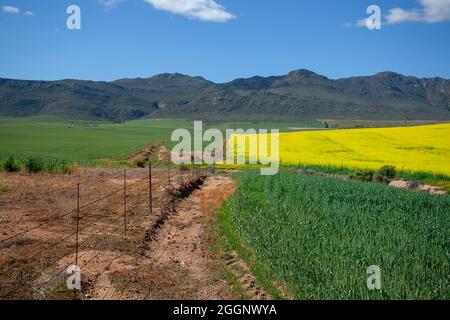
(117, 226)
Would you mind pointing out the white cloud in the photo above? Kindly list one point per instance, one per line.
(205, 10)
(10, 10)
(398, 15)
(358, 23)
(110, 4)
(430, 11)
(436, 10)
(362, 23)
(29, 13)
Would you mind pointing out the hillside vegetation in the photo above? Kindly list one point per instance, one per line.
(299, 95)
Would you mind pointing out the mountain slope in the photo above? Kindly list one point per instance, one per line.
(301, 94)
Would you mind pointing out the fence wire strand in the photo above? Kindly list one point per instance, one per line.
(138, 211)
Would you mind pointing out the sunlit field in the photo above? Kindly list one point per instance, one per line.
(319, 235)
(415, 149)
(80, 141)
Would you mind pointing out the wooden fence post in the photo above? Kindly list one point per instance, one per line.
(150, 193)
(125, 202)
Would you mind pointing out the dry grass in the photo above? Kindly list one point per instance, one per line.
(4, 187)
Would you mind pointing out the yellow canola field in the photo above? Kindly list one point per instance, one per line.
(417, 149)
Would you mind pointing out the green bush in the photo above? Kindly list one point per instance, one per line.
(12, 165)
(139, 163)
(388, 171)
(380, 178)
(34, 165)
(58, 166)
(67, 168)
(362, 175)
(51, 165)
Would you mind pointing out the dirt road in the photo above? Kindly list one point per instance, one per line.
(177, 263)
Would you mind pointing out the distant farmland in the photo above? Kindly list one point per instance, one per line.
(86, 142)
(410, 149)
(81, 141)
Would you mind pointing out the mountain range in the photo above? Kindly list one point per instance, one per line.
(299, 95)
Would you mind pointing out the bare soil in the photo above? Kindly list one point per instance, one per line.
(415, 186)
(42, 208)
(173, 261)
(178, 264)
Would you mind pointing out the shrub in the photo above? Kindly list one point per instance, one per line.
(67, 168)
(363, 175)
(34, 165)
(139, 163)
(12, 165)
(51, 165)
(58, 166)
(379, 178)
(388, 171)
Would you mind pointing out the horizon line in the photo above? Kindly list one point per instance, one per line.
(219, 83)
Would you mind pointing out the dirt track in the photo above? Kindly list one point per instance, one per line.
(180, 248)
(177, 263)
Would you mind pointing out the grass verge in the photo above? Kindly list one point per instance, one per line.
(436, 179)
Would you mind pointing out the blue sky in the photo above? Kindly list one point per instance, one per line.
(221, 39)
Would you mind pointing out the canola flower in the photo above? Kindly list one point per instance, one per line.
(415, 149)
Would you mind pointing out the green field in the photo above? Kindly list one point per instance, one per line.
(81, 141)
(319, 236)
(282, 126)
(88, 141)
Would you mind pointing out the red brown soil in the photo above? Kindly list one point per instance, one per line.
(174, 263)
(44, 205)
